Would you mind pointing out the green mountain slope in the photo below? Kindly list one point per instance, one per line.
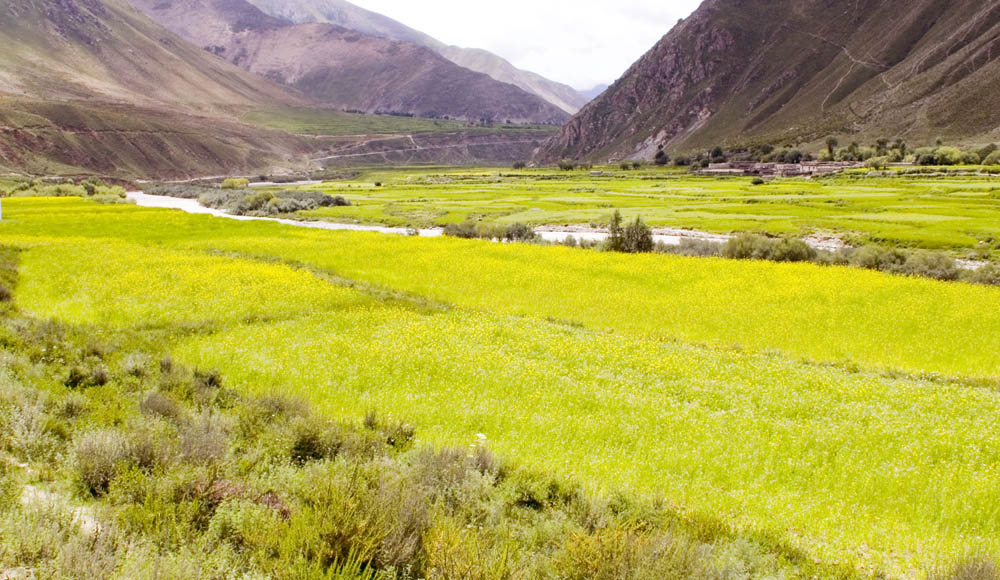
(783, 71)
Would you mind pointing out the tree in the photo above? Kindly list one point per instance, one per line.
(831, 146)
(661, 158)
(638, 237)
(633, 238)
(881, 147)
(901, 146)
(616, 241)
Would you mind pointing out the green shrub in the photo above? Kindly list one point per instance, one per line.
(757, 181)
(465, 230)
(988, 275)
(520, 165)
(235, 183)
(928, 264)
(873, 257)
(5, 294)
(97, 457)
(567, 165)
(519, 232)
(993, 158)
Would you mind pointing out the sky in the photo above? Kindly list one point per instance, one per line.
(581, 43)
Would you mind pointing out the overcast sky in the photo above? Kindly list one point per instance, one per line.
(578, 42)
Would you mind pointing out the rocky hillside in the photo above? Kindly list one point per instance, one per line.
(93, 86)
(346, 68)
(784, 71)
(103, 50)
(348, 15)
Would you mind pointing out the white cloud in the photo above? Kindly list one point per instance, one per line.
(581, 43)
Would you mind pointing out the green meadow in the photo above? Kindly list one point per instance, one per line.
(845, 413)
(952, 212)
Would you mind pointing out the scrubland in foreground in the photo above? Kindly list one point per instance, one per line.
(614, 372)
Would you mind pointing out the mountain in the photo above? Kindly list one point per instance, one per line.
(346, 68)
(104, 50)
(94, 86)
(348, 15)
(780, 71)
(594, 92)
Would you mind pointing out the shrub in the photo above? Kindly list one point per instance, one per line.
(692, 248)
(160, 405)
(988, 275)
(970, 569)
(756, 247)
(661, 158)
(96, 459)
(81, 377)
(758, 181)
(313, 440)
(519, 232)
(927, 264)
(567, 165)
(465, 230)
(5, 294)
(520, 165)
(992, 158)
(235, 183)
(873, 257)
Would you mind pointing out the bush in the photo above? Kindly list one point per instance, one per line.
(988, 275)
(877, 258)
(235, 183)
(992, 158)
(5, 294)
(927, 264)
(567, 165)
(756, 247)
(520, 165)
(519, 233)
(692, 248)
(465, 230)
(97, 457)
(758, 181)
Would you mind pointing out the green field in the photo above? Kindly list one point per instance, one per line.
(339, 123)
(809, 404)
(957, 212)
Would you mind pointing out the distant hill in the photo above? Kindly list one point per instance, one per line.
(782, 71)
(354, 17)
(346, 68)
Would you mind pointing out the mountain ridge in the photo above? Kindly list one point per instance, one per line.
(348, 69)
(743, 71)
(351, 16)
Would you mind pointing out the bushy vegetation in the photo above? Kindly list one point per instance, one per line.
(516, 232)
(249, 202)
(574, 363)
(91, 188)
(162, 471)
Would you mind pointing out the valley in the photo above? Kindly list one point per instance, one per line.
(291, 290)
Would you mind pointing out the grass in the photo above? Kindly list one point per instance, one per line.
(339, 123)
(955, 212)
(585, 365)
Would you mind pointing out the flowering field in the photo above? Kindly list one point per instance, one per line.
(682, 380)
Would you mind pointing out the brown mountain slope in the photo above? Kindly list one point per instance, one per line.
(343, 13)
(346, 68)
(106, 50)
(797, 70)
(93, 86)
